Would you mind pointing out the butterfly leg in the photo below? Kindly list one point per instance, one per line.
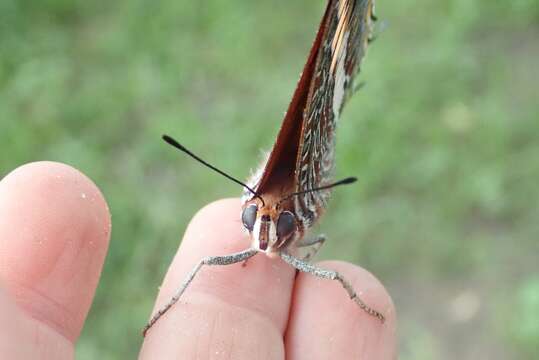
(312, 245)
(210, 260)
(331, 275)
(318, 240)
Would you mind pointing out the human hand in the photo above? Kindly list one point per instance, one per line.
(54, 230)
(263, 310)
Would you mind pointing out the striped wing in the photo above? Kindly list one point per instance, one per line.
(347, 29)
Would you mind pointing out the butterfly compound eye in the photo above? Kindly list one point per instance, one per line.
(248, 217)
(286, 224)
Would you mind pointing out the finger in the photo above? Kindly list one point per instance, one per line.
(326, 324)
(10, 338)
(235, 311)
(22, 337)
(54, 231)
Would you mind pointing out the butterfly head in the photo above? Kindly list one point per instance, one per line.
(269, 225)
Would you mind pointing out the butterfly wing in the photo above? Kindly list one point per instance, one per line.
(347, 30)
(303, 155)
(278, 171)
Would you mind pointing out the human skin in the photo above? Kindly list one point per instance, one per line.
(54, 233)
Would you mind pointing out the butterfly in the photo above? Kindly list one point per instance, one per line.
(289, 192)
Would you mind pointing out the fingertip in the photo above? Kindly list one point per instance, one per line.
(54, 233)
(322, 310)
(368, 287)
(216, 225)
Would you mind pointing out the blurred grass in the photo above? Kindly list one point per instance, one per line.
(443, 138)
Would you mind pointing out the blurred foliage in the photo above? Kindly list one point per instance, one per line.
(524, 327)
(443, 138)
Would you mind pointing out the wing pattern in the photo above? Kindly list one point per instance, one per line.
(348, 28)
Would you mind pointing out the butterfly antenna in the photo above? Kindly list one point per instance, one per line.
(179, 146)
(345, 181)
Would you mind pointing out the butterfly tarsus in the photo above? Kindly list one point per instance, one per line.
(319, 239)
(331, 275)
(312, 245)
(210, 260)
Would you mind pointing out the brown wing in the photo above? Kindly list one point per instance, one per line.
(280, 168)
(348, 28)
(302, 157)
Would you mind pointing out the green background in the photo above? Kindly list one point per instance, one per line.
(443, 137)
